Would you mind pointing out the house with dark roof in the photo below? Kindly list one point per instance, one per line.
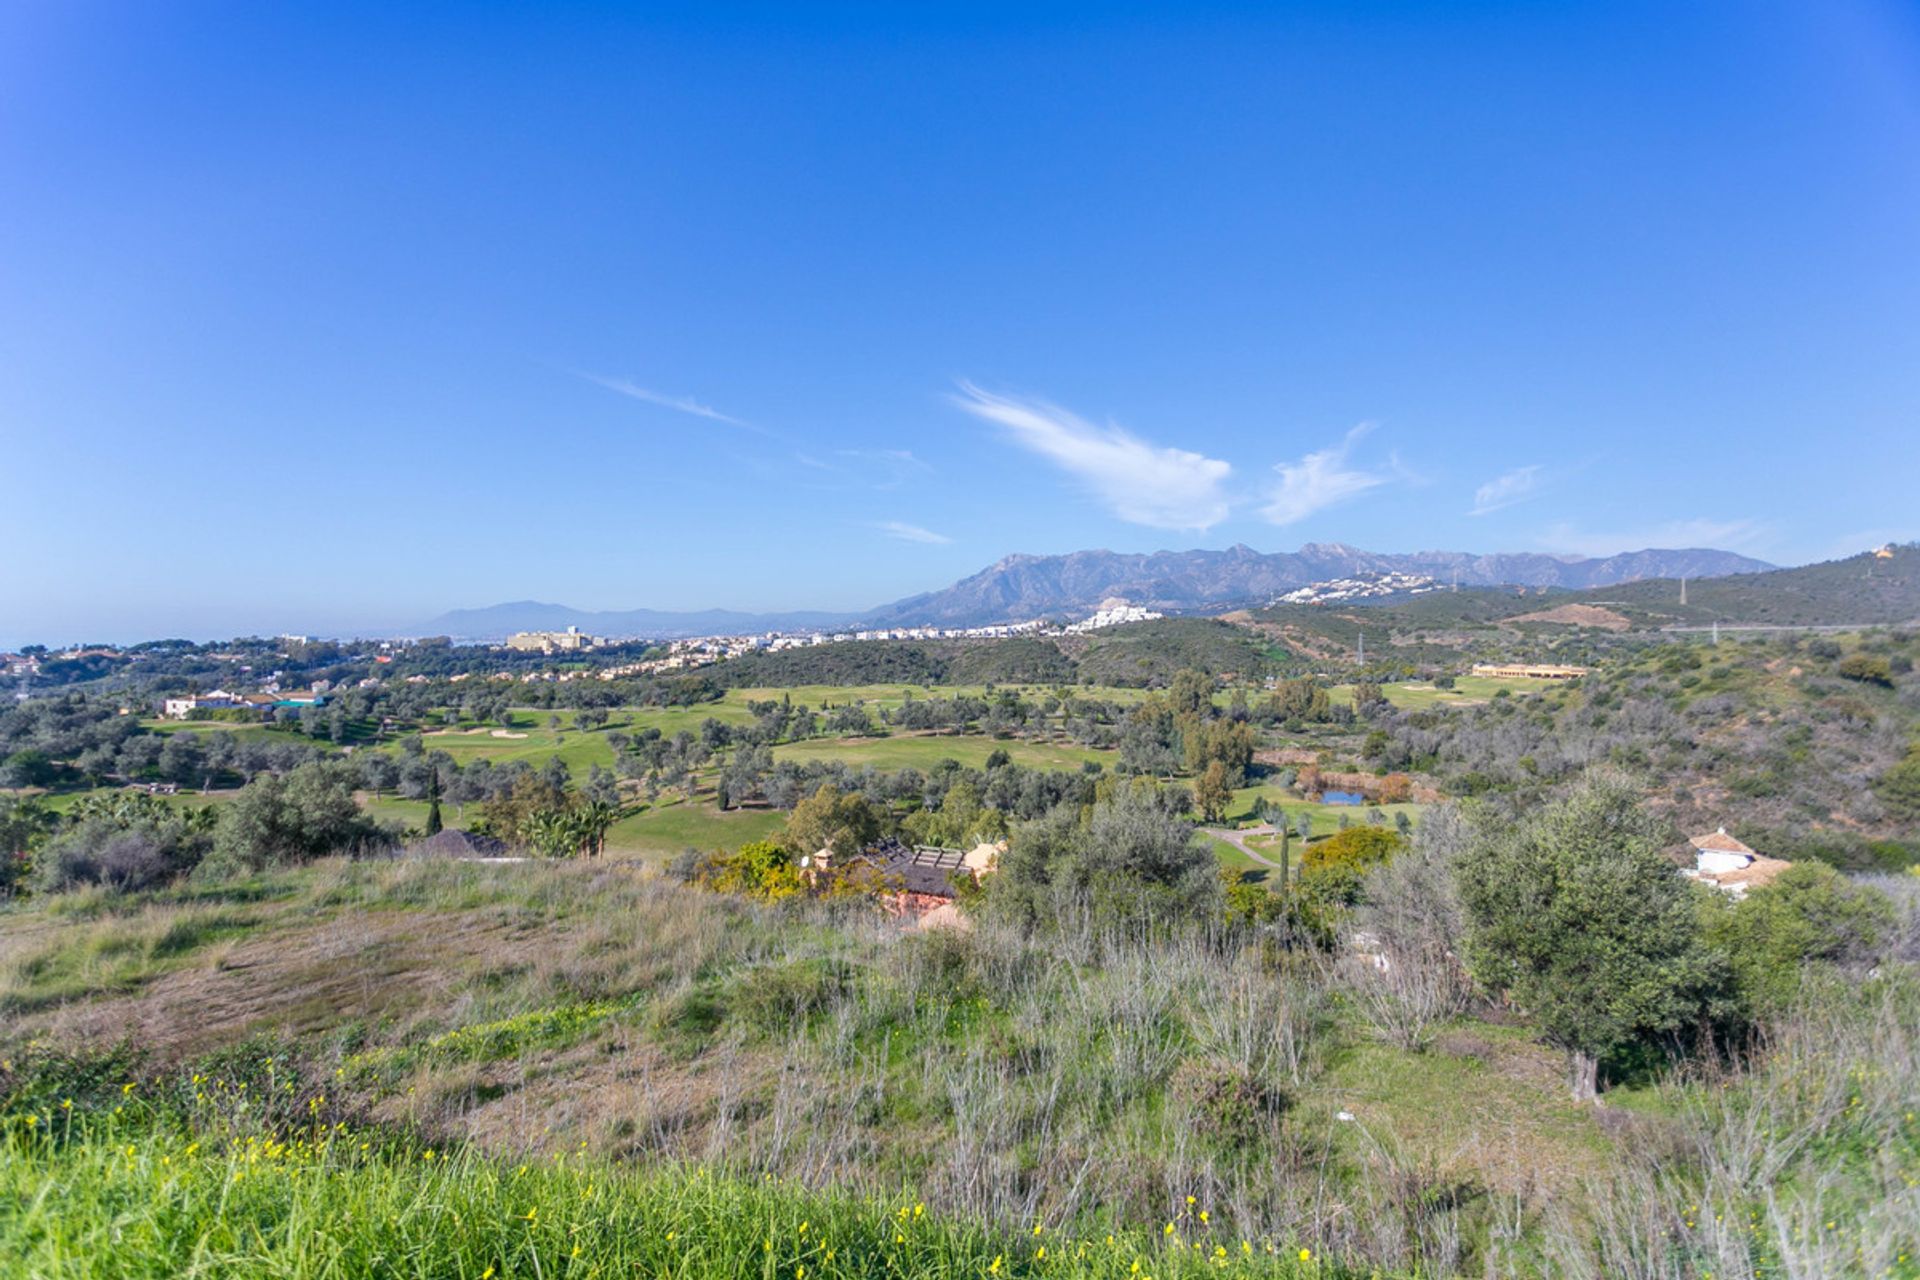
(910, 879)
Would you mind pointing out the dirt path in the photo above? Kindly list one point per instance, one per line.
(1238, 839)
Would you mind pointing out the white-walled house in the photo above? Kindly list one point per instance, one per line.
(1730, 866)
(217, 700)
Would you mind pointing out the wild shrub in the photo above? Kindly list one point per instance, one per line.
(780, 997)
(307, 814)
(1229, 1104)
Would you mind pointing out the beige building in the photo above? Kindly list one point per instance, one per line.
(572, 640)
(1527, 671)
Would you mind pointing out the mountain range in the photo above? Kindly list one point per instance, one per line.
(1022, 587)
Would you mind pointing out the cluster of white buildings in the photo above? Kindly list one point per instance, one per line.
(1361, 586)
(702, 651)
(1112, 613)
(266, 701)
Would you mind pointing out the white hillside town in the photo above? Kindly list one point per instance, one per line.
(1113, 613)
(694, 652)
(1361, 586)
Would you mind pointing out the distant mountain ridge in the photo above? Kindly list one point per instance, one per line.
(1021, 587)
(1018, 588)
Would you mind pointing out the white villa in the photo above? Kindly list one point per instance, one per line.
(1730, 866)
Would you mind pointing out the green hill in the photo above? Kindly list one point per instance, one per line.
(1866, 589)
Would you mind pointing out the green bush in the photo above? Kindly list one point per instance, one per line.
(1899, 788)
(1867, 668)
(1809, 915)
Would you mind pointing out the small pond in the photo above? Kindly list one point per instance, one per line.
(1342, 797)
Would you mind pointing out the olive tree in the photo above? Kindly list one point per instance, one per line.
(1575, 911)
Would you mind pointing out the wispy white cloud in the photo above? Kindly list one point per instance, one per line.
(1319, 480)
(1673, 535)
(681, 404)
(1140, 482)
(850, 470)
(1505, 490)
(885, 468)
(912, 533)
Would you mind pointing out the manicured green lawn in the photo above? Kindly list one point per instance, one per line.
(1466, 691)
(412, 813)
(1234, 860)
(1326, 817)
(672, 720)
(902, 751)
(664, 830)
(579, 749)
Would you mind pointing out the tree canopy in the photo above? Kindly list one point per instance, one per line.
(1575, 912)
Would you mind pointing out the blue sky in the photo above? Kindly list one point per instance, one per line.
(335, 317)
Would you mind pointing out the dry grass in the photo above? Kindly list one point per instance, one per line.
(543, 1008)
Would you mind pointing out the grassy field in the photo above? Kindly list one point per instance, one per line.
(904, 751)
(564, 1037)
(240, 732)
(1234, 860)
(1467, 691)
(133, 1197)
(550, 1069)
(665, 829)
(534, 743)
(1325, 817)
